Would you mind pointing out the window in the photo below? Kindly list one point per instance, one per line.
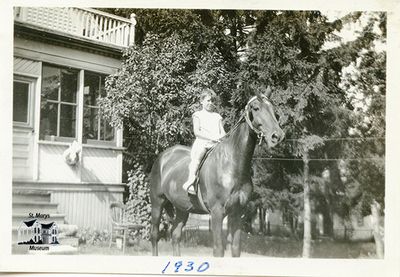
(95, 127)
(58, 103)
(21, 102)
(60, 106)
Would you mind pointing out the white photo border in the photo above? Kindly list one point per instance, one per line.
(388, 266)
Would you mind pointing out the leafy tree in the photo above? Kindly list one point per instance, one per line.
(285, 51)
(156, 90)
(367, 82)
(153, 96)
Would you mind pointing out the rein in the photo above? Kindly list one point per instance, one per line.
(260, 136)
(245, 115)
(259, 133)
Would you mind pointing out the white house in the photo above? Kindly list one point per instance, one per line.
(61, 59)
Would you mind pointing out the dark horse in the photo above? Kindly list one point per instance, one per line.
(225, 178)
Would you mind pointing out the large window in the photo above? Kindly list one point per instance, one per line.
(95, 127)
(58, 103)
(60, 106)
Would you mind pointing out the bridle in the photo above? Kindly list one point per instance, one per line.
(246, 115)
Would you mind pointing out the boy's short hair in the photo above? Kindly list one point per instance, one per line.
(207, 92)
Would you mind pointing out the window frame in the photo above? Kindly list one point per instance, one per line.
(79, 112)
(59, 103)
(31, 97)
(98, 141)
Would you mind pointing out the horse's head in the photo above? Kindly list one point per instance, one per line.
(261, 118)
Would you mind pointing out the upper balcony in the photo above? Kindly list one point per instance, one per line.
(86, 23)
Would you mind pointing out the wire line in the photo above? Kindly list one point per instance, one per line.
(340, 139)
(316, 159)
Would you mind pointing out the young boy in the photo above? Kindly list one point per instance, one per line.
(208, 129)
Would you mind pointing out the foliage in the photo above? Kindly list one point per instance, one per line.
(178, 52)
(138, 206)
(313, 104)
(156, 90)
(285, 51)
(89, 236)
(365, 81)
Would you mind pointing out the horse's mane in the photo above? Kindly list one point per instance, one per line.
(224, 140)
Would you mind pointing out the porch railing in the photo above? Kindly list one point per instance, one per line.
(83, 22)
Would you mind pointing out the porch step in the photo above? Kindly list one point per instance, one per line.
(19, 217)
(26, 195)
(34, 207)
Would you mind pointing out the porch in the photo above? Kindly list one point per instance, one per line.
(86, 23)
(61, 59)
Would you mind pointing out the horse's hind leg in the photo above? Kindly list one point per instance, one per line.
(156, 210)
(234, 230)
(179, 222)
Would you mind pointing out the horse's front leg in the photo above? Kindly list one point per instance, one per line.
(217, 216)
(234, 232)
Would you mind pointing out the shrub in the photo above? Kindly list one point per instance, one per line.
(138, 209)
(138, 204)
(91, 236)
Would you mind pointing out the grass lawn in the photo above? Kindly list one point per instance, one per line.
(252, 246)
(144, 249)
(287, 247)
(200, 244)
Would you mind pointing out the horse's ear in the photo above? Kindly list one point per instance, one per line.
(268, 92)
(258, 94)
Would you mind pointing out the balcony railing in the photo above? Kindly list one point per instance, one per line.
(83, 22)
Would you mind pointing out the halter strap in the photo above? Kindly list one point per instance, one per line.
(245, 116)
(259, 133)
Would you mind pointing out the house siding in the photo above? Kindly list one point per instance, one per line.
(26, 66)
(87, 209)
(22, 149)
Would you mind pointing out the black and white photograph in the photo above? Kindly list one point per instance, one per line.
(200, 139)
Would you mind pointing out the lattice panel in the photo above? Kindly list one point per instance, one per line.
(53, 18)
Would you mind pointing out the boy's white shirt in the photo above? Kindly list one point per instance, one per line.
(209, 124)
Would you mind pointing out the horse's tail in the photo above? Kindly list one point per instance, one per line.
(155, 180)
